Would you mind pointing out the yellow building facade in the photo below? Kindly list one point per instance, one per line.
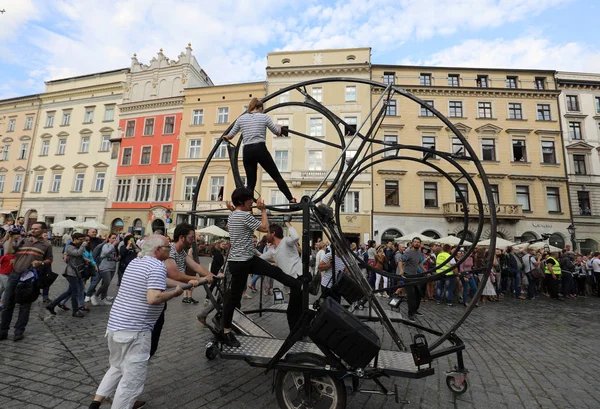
(18, 124)
(511, 120)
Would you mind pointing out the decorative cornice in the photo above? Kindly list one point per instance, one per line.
(317, 71)
(392, 172)
(45, 136)
(19, 169)
(495, 175)
(48, 98)
(547, 131)
(429, 173)
(479, 92)
(518, 130)
(85, 131)
(39, 168)
(460, 175)
(25, 138)
(429, 127)
(106, 129)
(174, 102)
(57, 167)
(3, 169)
(521, 177)
(100, 165)
(579, 146)
(488, 128)
(7, 139)
(62, 133)
(80, 166)
(576, 116)
(552, 178)
(392, 126)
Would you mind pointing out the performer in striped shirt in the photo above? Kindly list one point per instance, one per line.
(253, 125)
(243, 258)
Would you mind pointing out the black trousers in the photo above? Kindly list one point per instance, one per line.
(156, 332)
(239, 278)
(413, 299)
(257, 153)
(552, 285)
(597, 275)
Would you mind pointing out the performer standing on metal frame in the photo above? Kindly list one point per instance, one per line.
(243, 259)
(253, 125)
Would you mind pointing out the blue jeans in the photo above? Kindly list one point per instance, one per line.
(75, 288)
(93, 283)
(531, 288)
(9, 306)
(468, 282)
(516, 284)
(255, 279)
(447, 282)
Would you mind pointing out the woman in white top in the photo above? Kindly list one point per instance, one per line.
(253, 125)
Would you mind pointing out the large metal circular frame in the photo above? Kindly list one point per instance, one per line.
(346, 176)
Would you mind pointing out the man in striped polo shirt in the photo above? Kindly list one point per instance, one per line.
(138, 305)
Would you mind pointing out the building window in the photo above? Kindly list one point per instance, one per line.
(163, 189)
(597, 104)
(351, 203)
(583, 200)
(425, 79)
(123, 190)
(2, 182)
(392, 193)
(149, 127)
(350, 128)
(109, 113)
(316, 126)
(458, 149)
(430, 194)
(169, 127)
(39, 183)
(84, 147)
(548, 152)
(539, 83)
(488, 149)
(62, 146)
(350, 93)
(5, 152)
(515, 111)
(197, 117)
(130, 129)
(426, 111)
(553, 197)
(126, 159)
(56, 179)
(11, 125)
(88, 117)
(579, 165)
(23, 150)
(519, 150)
(511, 82)
(285, 97)
(66, 118)
(572, 103)
(523, 197)
(455, 109)
(78, 187)
(49, 119)
(189, 186)
(223, 115)
(389, 78)
(142, 189)
(389, 140)
(146, 155)
(28, 123)
(485, 109)
(391, 108)
(105, 144)
(221, 152)
(194, 149)
(166, 153)
(453, 80)
(543, 112)
(575, 130)
(482, 81)
(464, 189)
(317, 93)
(283, 122)
(429, 143)
(277, 197)
(99, 182)
(18, 183)
(281, 160)
(216, 188)
(315, 160)
(45, 148)
(495, 193)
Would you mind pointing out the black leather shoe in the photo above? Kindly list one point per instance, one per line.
(78, 314)
(18, 337)
(231, 341)
(50, 308)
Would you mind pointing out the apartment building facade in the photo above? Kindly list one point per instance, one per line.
(512, 121)
(18, 124)
(579, 104)
(74, 149)
(141, 198)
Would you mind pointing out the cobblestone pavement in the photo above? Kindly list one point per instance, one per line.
(521, 354)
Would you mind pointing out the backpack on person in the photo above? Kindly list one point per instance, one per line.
(28, 288)
(97, 253)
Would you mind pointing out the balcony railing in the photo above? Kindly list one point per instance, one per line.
(503, 211)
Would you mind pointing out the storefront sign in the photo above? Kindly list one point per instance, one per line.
(540, 225)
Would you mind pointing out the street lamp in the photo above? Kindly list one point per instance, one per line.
(571, 230)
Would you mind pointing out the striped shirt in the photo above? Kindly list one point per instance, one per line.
(130, 310)
(326, 280)
(179, 258)
(254, 127)
(241, 227)
(27, 251)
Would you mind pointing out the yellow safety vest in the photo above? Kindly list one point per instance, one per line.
(441, 258)
(555, 268)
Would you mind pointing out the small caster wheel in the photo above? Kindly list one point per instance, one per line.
(211, 352)
(454, 387)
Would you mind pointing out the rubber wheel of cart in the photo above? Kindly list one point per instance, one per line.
(327, 391)
(211, 352)
(456, 389)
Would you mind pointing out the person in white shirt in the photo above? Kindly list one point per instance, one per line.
(596, 270)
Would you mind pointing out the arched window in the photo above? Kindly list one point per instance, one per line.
(557, 240)
(116, 225)
(390, 235)
(588, 246)
(467, 235)
(528, 236)
(431, 233)
(137, 225)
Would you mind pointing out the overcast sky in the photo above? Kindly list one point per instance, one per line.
(50, 39)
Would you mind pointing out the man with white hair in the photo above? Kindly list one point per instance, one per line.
(135, 310)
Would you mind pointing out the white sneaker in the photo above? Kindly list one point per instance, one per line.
(94, 300)
(86, 299)
(109, 298)
(106, 301)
